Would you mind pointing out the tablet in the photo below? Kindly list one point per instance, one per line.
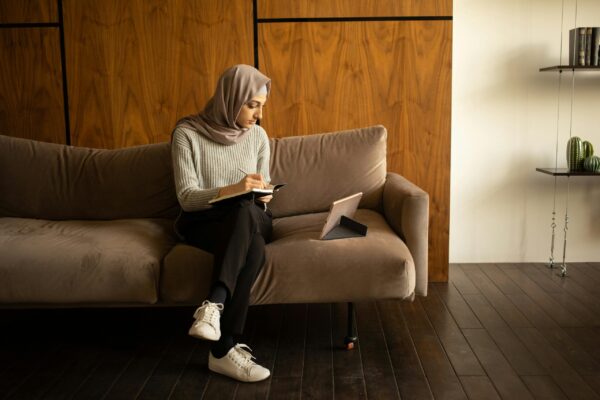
(346, 207)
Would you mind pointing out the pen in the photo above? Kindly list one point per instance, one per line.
(266, 185)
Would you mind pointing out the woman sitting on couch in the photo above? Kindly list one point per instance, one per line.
(210, 152)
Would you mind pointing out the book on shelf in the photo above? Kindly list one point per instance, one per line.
(584, 46)
(577, 46)
(250, 193)
(588, 46)
(596, 46)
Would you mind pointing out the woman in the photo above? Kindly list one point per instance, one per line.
(210, 153)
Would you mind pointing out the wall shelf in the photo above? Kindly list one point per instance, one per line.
(562, 68)
(574, 49)
(566, 172)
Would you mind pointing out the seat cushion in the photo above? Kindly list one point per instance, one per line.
(186, 275)
(300, 268)
(82, 261)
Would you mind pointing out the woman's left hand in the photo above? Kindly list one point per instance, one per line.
(265, 199)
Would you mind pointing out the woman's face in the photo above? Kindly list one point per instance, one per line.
(251, 112)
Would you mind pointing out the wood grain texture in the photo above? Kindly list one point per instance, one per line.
(543, 387)
(455, 345)
(503, 336)
(563, 374)
(460, 310)
(378, 371)
(348, 372)
(136, 67)
(317, 375)
(352, 8)
(506, 381)
(442, 377)
(342, 75)
(286, 375)
(28, 11)
(31, 100)
(503, 306)
(554, 308)
(408, 370)
(479, 387)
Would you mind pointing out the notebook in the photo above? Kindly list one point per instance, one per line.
(255, 193)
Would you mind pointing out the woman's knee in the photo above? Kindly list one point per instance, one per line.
(243, 213)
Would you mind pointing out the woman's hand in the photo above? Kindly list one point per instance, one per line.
(250, 181)
(265, 199)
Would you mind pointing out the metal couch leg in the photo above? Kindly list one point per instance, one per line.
(351, 337)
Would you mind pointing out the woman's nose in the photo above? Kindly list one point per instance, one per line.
(258, 113)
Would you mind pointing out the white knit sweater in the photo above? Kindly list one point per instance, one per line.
(202, 166)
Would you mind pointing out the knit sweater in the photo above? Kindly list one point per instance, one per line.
(201, 166)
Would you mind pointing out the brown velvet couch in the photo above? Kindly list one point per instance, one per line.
(84, 227)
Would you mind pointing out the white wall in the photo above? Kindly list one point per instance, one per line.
(504, 125)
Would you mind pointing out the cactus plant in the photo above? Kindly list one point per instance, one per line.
(592, 163)
(588, 149)
(575, 153)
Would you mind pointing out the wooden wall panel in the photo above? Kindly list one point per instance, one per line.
(352, 8)
(20, 11)
(393, 73)
(31, 101)
(135, 67)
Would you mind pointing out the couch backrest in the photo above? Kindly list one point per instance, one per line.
(325, 167)
(52, 181)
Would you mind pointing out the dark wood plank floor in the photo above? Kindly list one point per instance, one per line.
(495, 331)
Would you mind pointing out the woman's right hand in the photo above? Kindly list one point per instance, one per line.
(250, 181)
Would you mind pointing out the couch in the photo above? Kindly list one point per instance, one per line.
(92, 227)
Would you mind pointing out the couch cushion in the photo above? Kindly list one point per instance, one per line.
(301, 268)
(82, 261)
(186, 275)
(325, 167)
(52, 181)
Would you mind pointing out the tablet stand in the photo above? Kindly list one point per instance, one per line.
(347, 228)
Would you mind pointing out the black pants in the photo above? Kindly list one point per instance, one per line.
(236, 234)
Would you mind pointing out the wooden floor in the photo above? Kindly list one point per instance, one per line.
(513, 331)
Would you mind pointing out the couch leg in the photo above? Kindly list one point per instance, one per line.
(351, 338)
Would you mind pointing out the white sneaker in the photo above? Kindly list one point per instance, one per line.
(238, 364)
(207, 325)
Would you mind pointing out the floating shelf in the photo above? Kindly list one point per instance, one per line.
(566, 172)
(562, 68)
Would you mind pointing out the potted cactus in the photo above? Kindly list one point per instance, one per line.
(592, 164)
(575, 153)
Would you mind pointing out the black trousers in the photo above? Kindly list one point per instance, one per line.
(236, 234)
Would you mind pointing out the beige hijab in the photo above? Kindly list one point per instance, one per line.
(236, 86)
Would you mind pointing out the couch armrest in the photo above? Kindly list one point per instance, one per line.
(406, 209)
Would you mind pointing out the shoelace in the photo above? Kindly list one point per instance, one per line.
(243, 356)
(212, 313)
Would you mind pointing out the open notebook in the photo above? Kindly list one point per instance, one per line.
(254, 193)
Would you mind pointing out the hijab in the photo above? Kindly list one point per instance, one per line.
(236, 86)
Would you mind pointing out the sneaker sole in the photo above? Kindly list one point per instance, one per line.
(239, 380)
